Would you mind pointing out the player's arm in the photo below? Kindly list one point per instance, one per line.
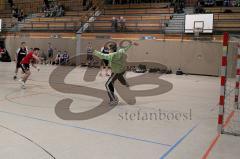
(125, 49)
(103, 56)
(38, 60)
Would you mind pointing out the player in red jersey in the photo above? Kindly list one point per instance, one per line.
(25, 65)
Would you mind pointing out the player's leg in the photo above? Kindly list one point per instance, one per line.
(16, 70)
(110, 89)
(101, 68)
(27, 73)
(122, 79)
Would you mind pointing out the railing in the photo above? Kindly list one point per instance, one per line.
(140, 17)
(50, 26)
(139, 5)
(134, 26)
(57, 19)
(145, 11)
(221, 9)
(29, 8)
(227, 16)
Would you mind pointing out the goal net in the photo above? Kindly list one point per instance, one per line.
(229, 107)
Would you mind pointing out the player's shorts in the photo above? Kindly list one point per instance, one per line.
(18, 65)
(105, 62)
(25, 67)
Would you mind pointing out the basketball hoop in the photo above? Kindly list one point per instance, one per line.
(197, 31)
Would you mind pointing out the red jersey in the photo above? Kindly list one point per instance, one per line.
(27, 59)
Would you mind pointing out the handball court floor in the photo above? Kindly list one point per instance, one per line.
(30, 128)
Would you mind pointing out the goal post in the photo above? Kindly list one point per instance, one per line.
(229, 110)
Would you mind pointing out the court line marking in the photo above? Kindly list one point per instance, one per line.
(178, 142)
(181, 139)
(30, 140)
(216, 138)
(88, 129)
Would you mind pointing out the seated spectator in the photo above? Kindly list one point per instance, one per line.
(226, 3)
(21, 15)
(89, 4)
(4, 55)
(1, 52)
(10, 2)
(54, 10)
(58, 58)
(15, 11)
(65, 58)
(199, 8)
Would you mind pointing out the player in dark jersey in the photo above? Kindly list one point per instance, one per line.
(25, 65)
(104, 62)
(20, 54)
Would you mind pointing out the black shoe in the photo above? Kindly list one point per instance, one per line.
(14, 77)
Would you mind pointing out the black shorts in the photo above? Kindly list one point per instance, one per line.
(25, 67)
(105, 62)
(18, 65)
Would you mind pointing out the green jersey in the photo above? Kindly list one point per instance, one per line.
(117, 59)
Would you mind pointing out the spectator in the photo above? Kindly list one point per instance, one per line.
(90, 55)
(114, 24)
(50, 53)
(89, 4)
(54, 10)
(60, 11)
(21, 15)
(1, 52)
(10, 2)
(46, 3)
(65, 58)
(122, 24)
(15, 11)
(43, 58)
(226, 3)
(58, 58)
(4, 55)
(105, 63)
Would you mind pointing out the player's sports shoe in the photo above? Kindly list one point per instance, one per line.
(116, 98)
(23, 87)
(14, 77)
(113, 103)
(22, 84)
